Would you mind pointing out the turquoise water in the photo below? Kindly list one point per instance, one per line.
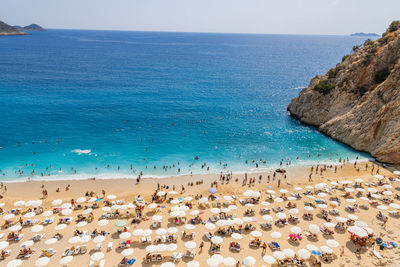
(73, 102)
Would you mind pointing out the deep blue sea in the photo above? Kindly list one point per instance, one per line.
(78, 104)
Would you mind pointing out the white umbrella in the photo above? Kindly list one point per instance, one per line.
(66, 260)
(161, 231)
(19, 203)
(310, 196)
(249, 205)
(97, 256)
(14, 263)
(99, 239)
(87, 211)
(215, 210)
(293, 211)
(103, 222)
(283, 191)
(311, 247)
(308, 208)
(248, 193)
(127, 252)
(51, 241)
(15, 228)
(265, 203)
(229, 261)
(387, 193)
(203, 200)
(248, 219)
(267, 218)
(111, 197)
(295, 230)
(81, 224)
(280, 215)
(326, 249)
(8, 216)
(30, 215)
(238, 221)
(358, 231)
(322, 206)
(161, 248)
(249, 261)
(106, 209)
(350, 190)
(382, 207)
(156, 218)
(37, 228)
(221, 223)
(332, 243)
(313, 228)
(189, 226)
(194, 212)
(288, 252)
(152, 206)
(394, 206)
(190, 245)
(171, 247)
(147, 232)
(298, 188)
(228, 198)
(361, 224)
(172, 230)
(304, 254)
(138, 232)
(187, 198)
(81, 199)
(209, 226)
(341, 219)
(271, 192)
(329, 225)
(236, 236)
(278, 200)
(276, 235)
(85, 239)
(66, 206)
(256, 233)
(66, 212)
(269, 259)
(56, 202)
(161, 193)
(47, 213)
(74, 240)
(60, 226)
(352, 217)
(193, 264)
(232, 207)
(279, 255)
(27, 244)
(364, 198)
(125, 235)
(175, 201)
(216, 240)
(4, 244)
(151, 248)
(43, 261)
(378, 176)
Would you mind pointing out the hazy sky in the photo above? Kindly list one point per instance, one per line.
(244, 16)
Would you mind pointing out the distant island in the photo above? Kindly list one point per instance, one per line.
(6, 29)
(30, 28)
(363, 34)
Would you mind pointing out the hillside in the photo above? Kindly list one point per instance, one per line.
(6, 29)
(31, 28)
(358, 101)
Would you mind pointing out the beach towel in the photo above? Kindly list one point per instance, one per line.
(131, 261)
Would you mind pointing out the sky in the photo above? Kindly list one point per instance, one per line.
(228, 16)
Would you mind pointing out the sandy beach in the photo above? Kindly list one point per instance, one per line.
(127, 189)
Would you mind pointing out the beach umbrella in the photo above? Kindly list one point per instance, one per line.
(151, 248)
(229, 261)
(81, 224)
(19, 203)
(43, 261)
(350, 200)
(225, 210)
(236, 236)
(322, 206)
(156, 218)
(81, 199)
(66, 206)
(111, 197)
(152, 206)
(138, 232)
(190, 245)
(188, 198)
(314, 229)
(175, 201)
(8, 216)
(103, 222)
(349, 190)
(120, 223)
(382, 207)
(87, 211)
(394, 206)
(125, 235)
(212, 190)
(340, 219)
(249, 261)
(329, 225)
(280, 215)
(173, 193)
(358, 231)
(304, 254)
(288, 252)
(249, 205)
(387, 186)
(332, 243)
(15, 228)
(97, 256)
(256, 233)
(221, 223)
(293, 211)
(278, 200)
(212, 262)
(369, 230)
(265, 203)
(298, 188)
(284, 191)
(27, 244)
(352, 217)
(171, 247)
(360, 189)
(161, 193)
(372, 190)
(47, 213)
(66, 212)
(51, 241)
(85, 239)
(106, 209)
(256, 194)
(14, 263)
(99, 239)
(326, 249)
(172, 230)
(64, 261)
(378, 176)
(161, 231)
(267, 218)
(147, 232)
(115, 207)
(194, 212)
(248, 193)
(361, 224)
(215, 210)
(387, 193)
(358, 180)
(376, 196)
(311, 247)
(309, 187)
(228, 198)
(238, 221)
(74, 240)
(3, 245)
(127, 252)
(189, 227)
(37, 228)
(269, 259)
(310, 196)
(249, 219)
(232, 207)
(295, 230)
(92, 199)
(364, 198)
(279, 255)
(193, 264)
(30, 215)
(271, 192)
(209, 226)
(60, 226)
(216, 240)
(396, 172)
(36, 203)
(334, 183)
(203, 200)
(161, 247)
(276, 235)
(56, 202)
(322, 195)
(308, 208)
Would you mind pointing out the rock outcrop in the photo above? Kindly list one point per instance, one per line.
(358, 101)
(30, 28)
(6, 29)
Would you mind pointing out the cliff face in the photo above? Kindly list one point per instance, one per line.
(6, 29)
(358, 101)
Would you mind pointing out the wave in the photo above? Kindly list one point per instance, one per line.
(81, 151)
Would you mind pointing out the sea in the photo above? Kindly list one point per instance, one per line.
(77, 104)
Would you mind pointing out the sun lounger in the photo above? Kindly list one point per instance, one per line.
(109, 246)
(98, 246)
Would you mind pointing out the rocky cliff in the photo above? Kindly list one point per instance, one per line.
(30, 28)
(358, 101)
(6, 29)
